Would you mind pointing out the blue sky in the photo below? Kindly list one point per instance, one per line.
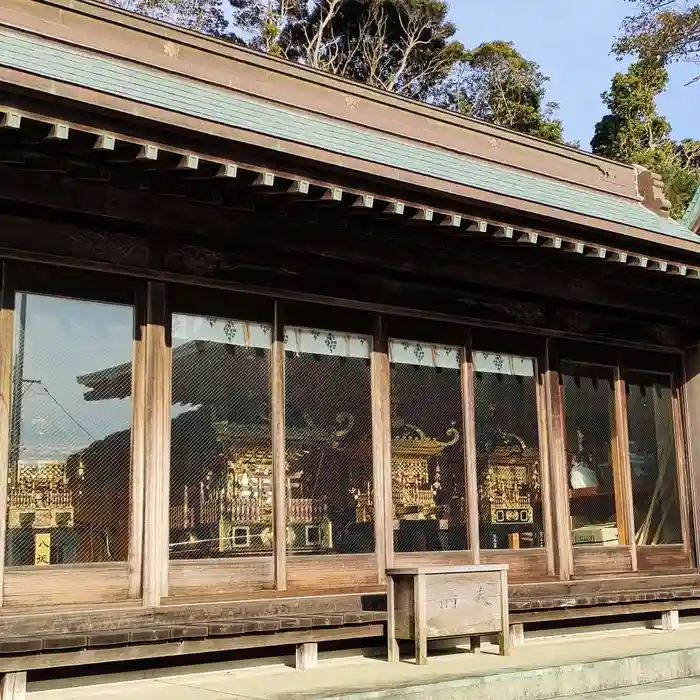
(571, 42)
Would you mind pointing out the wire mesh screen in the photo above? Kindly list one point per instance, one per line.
(427, 453)
(589, 414)
(328, 437)
(653, 465)
(507, 452)
(221, 448)
(70, 437)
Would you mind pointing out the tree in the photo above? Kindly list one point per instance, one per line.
(404, 46)
(497, 84)
(664, 29)
(634, 132)
(206, 16)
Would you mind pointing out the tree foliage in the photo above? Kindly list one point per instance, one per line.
(205, 16)
(634, 132)
(497, 84)
(664, 29)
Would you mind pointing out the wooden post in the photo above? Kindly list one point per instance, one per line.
(13, 686)
(670, 621)
(392, 642)
(279, 476)
(420, 628)
(504, 636)
(381, 435)
(691, 401)
(157, 508)
(558, 462)
(138, 446)
(469, 432)
(307, 656)
(622, 475)
(7, 314)
(517, 635)
(681, 445)
(545, 467)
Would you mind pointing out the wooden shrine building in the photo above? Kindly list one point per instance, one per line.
(265, 333)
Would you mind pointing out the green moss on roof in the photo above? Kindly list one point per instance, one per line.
(150, 86)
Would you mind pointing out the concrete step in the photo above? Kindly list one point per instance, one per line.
(682, 689)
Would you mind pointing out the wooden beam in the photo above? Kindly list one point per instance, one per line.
(265, 179)
(363, 201)
(227, 170)
(424, 215)
(595, 251)
(381, 449)
(506, 232)
(481, 227)
(333, 194)
(148, 152)
(188, 161)
(551, 242)
(105, 142)
(677, 269)
(7, 315)
(11, 120)
(59, 132)
(618, 256)
(453, 220)
(279, 475)
(637, 260)
(657, 265)
(395, 208)
(300, 187)
(558, 461)
(530, 237)
(576, 247)
(471, 479)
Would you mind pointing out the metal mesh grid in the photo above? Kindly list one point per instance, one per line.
(328, 433)
(589, 411)
(507, 448)
(70, 443)
(427, 461)
(221, 448)
(653, 463)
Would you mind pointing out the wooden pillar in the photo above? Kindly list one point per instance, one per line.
(7, 314)
(279, 476)
(670, 621)
(156, 520)
(681, 446)
(517, 635)
(469, 432)
(381, 450)
(691, 401)
(545, 466)
(622, 476)
(558, 462)
(307, 656)
(13, 686)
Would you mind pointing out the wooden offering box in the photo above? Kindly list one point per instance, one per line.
(440, 602)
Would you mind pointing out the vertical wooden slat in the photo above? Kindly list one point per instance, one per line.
(622, 474)
(558, 462)
(691, 397)
(469, 432)
(279, 500)
(380, 434)
(7, 314)
(156, 507)
(682, 444)
(545, 466)
(138, 443)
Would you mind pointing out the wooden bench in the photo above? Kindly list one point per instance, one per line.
(90, 638)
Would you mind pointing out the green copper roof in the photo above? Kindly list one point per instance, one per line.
(179, 94)
(692, 213)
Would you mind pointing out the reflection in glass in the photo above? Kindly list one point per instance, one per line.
(589, 413)
(328, 433)
(653, 460)
(508, 457)
(427, 453)
(221, 448)
(70, 444)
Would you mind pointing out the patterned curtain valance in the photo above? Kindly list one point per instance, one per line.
(500, 363)
(409, 352)
(221, 330)
(314, 341)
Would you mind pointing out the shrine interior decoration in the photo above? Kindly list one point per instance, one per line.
(40, 504)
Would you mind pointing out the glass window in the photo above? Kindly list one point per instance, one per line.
(653, 463)
(589, 398)
(221, 447)
(507, 451)
(427, 453)
(70, 443)
(328, 433)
